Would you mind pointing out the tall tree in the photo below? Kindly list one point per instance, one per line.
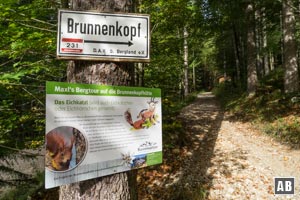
(291, 79)
(251, 54)
(118, 186)
(167, 40)
(266, 66)
(185, 62)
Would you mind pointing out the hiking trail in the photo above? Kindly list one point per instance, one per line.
(222, 159)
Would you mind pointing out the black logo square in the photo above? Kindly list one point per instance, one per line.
(284, 185)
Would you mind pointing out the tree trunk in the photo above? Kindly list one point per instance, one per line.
(120, 186)
(291, 79)
(264, 43)
(139, 75)
(251, 55)
(224, 66)
(258, 44)
(271, 61)
(194, 78)
(186, 64)
(236, 54)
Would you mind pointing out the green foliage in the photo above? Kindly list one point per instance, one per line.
(33, 144)
(273, 81)
(285, 129)
(227, 95)
(173, 129)
(168, 19)
(172, 126)
(27, 59)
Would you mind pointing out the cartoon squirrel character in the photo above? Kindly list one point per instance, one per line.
(59, 144)
(144, 115)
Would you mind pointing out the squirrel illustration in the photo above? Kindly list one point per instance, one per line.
(145, 114)
(59, 144)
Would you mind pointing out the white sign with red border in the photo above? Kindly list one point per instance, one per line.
(103, 36)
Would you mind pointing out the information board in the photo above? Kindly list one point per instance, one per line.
(95, 130)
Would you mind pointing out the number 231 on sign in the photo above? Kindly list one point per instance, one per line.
(72, 45)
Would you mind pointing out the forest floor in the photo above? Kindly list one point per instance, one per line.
(222, 158)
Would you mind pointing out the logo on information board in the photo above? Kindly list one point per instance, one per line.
(147, 146)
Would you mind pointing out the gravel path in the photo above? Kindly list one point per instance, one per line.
(245, 163)
(222, 159)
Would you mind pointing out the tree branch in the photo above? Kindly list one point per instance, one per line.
(21, 151)
(34, 96)
(43, 29)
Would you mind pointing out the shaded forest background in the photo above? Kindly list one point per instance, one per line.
(245, 51)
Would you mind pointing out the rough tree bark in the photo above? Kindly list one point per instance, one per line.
(120, 186)
(291, 79)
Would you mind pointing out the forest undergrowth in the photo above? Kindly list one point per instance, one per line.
(274, 113)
